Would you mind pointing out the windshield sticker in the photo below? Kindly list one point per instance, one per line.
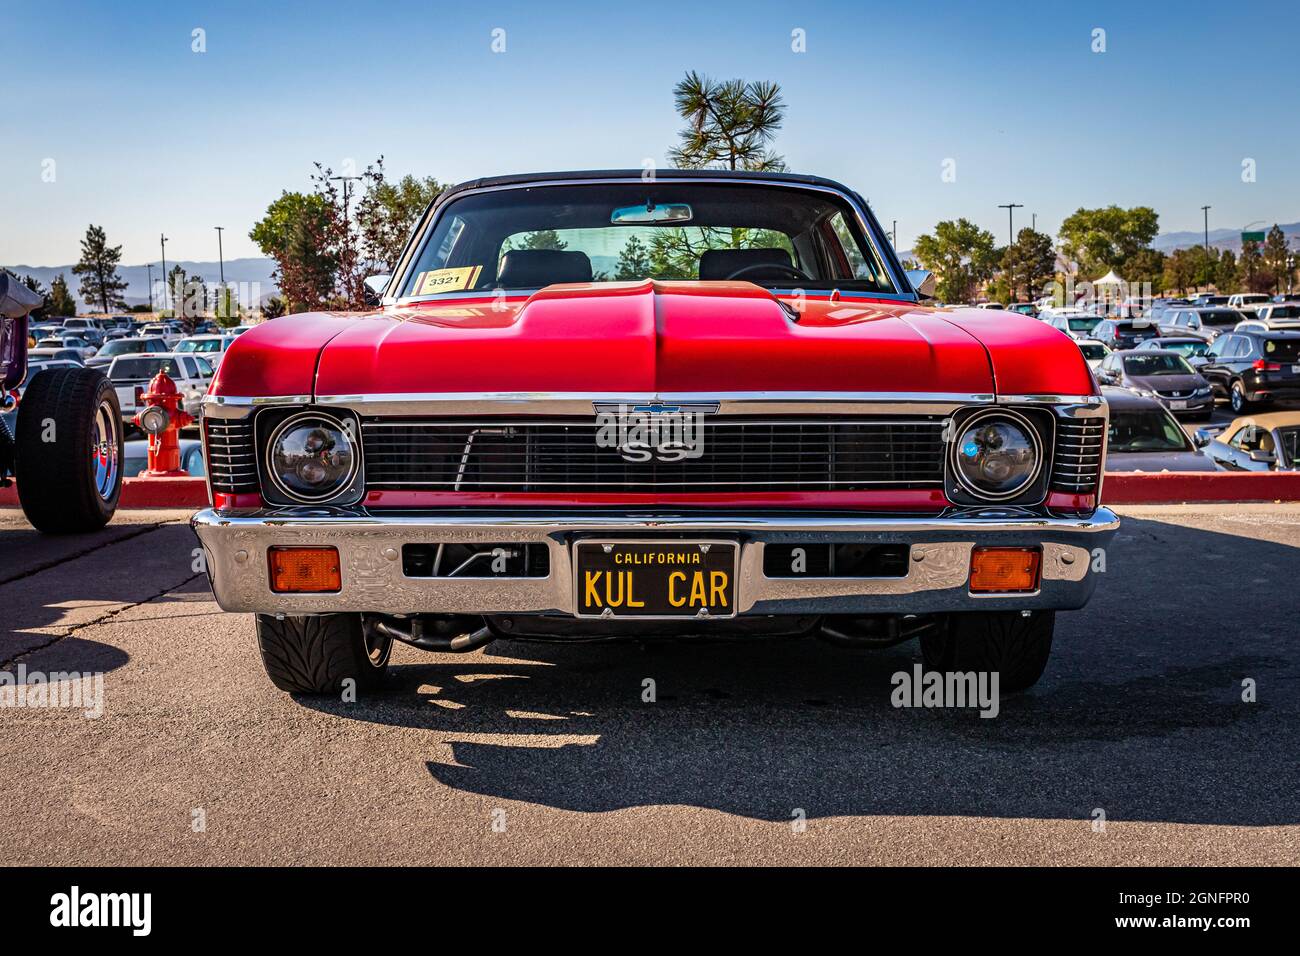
(446, 280)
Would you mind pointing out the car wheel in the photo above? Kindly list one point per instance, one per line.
(316, 654)
(69, 451)
(1015, 646)
(1237, 398)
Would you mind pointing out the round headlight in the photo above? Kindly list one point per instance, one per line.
(997, 455)
(311, 457)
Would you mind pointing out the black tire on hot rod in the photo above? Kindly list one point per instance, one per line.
(1015, 646)
(69, 450)
(316, 654)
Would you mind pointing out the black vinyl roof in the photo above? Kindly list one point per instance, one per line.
(523, 179)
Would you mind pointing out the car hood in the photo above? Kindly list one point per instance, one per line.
(1153, 461)
(1167, 383)
(654, 337)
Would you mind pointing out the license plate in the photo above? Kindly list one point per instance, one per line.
(655, 578)
(1177, 405)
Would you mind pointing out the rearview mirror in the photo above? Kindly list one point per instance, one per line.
(651, 214)
(922, 281)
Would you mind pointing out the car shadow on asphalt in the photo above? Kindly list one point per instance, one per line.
(1144, 713)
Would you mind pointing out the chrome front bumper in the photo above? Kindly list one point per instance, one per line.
(370, 546)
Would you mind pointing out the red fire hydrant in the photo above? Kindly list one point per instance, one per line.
(163, 418)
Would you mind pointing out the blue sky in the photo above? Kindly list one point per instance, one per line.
(148, 136)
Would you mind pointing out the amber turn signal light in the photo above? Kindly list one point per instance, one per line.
(304, 570)
(1006, 570)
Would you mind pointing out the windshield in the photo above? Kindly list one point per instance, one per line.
(130, 369)
(526, 238)
(125, 347)
(1284, 312)
(1084, 324)
(199, 345)
(1157, 363)
(1187, 349)
(1093, 352)
(1220, 316)
(1145, 430)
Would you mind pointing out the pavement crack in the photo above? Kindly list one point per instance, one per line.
(89, 549)
(106, 616)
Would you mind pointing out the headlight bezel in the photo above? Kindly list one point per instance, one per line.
(1038, 427)
(272, 428)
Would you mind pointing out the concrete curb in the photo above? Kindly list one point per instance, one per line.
(1120, 488)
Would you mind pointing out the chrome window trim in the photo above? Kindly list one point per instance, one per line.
(413, 251)
(241, 406)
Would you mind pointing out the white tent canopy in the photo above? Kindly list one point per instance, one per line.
(1109, 279)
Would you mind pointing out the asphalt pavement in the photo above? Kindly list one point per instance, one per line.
(1137, 747)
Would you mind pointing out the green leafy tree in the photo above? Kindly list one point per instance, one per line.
(1225, 273)
(1250, 267)
(1277, 257)
(961, 255)
(100, 283)
(543, 239)
(62, 303)
(633, 261)
(294, 232)
(1101, 239)
(273, 307)
(388, 211)
(731, 124)
(1146, 267)
(1028, 264)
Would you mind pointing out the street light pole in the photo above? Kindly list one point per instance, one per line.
(1010, 207)
(895, 235)
(221, 259)
(1206, 211)
(162, 241)
(149, 266)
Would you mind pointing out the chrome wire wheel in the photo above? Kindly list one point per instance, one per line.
(104, 451)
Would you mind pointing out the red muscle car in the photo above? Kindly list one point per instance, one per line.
(604, 404)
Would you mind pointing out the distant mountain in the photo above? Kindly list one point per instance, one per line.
(1219, 238)
(255, 272)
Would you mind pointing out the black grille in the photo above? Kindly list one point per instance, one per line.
(1077, 463)
(230, 455)
(564, 457)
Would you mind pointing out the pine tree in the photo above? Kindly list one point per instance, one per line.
(633, 261)
(731, 124)
(100, 283)
(62, 303)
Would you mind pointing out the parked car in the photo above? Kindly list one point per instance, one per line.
(1273, 318)
(1189, 347)
(991, 305)
(508, 377)
(167, 331)
(1120, 334)
(87, 329)
(211, 347)
(1209, 299)
(191, 451)
(128, 346)
(1248, 301)
(1074, 323)
(1250, 367)
(71, 343)
(131, 375)
(1024, 308)
(1095, 352)
(1206, 323)
(1144, 436)
(1160, 375)
(1268, 442)
(53, 354)
(70, 484)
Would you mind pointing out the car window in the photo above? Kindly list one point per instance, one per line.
(1282, 350)
(1241, 348)
(1157, 363)
(205, 368)
(129, 368)
(1145, 429)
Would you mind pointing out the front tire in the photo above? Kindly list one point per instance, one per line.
(69, 451)
(1015, 646)
(316, 654)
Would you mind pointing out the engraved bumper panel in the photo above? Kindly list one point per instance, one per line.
(370, 548)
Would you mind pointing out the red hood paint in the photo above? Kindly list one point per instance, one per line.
(654, 337)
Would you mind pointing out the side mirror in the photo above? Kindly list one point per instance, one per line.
(1201, 438)
(375, 286)
(1263, 457)
(922, 281)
